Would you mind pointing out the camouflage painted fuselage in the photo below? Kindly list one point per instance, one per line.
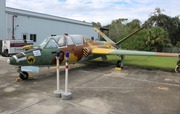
(46, 56)
(80, 48)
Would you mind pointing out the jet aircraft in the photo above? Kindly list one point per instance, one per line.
(80, 48)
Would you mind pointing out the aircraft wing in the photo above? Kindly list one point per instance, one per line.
(103, 51)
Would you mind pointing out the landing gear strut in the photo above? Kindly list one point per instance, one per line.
(178, 65)
(22, 74)
(120, 63)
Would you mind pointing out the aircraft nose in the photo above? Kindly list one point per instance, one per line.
(11, 60)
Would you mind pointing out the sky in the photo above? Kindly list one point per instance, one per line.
(103, 11)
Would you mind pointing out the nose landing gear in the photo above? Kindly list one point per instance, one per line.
(22, 74)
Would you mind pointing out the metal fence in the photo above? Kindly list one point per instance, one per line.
(172, 50)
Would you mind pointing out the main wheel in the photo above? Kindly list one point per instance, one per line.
(24, 75)
(118, 64)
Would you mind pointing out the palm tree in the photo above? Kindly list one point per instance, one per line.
(157, 38)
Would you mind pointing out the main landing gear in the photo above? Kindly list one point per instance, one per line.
(22, 74)
(120, 63)
(177, 66)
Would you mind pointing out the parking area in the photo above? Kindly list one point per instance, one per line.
(96, 87)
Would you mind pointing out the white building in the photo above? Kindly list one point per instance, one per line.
(22, 24)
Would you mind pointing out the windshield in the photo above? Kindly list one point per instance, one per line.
(52, 44)
(44, 42)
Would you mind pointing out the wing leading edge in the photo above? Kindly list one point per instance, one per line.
(102, 51)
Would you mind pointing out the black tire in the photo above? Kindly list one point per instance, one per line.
(118, 64)
(24, 75)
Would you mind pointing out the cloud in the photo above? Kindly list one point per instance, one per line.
(103, 11)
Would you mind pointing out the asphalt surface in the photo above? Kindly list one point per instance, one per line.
(96, 87)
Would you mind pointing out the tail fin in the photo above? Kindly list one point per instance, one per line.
(104, 36)
(128, 36)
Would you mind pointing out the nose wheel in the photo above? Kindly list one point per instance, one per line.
(22, 74)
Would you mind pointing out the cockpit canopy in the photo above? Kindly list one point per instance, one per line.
(63, 41)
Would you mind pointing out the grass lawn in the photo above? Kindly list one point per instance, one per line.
(147, 62)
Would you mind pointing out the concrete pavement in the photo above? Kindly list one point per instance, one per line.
(96, 87)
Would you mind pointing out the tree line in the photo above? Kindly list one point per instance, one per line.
(159, 31)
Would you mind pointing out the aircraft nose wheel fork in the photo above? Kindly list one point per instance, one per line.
(22, 74)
